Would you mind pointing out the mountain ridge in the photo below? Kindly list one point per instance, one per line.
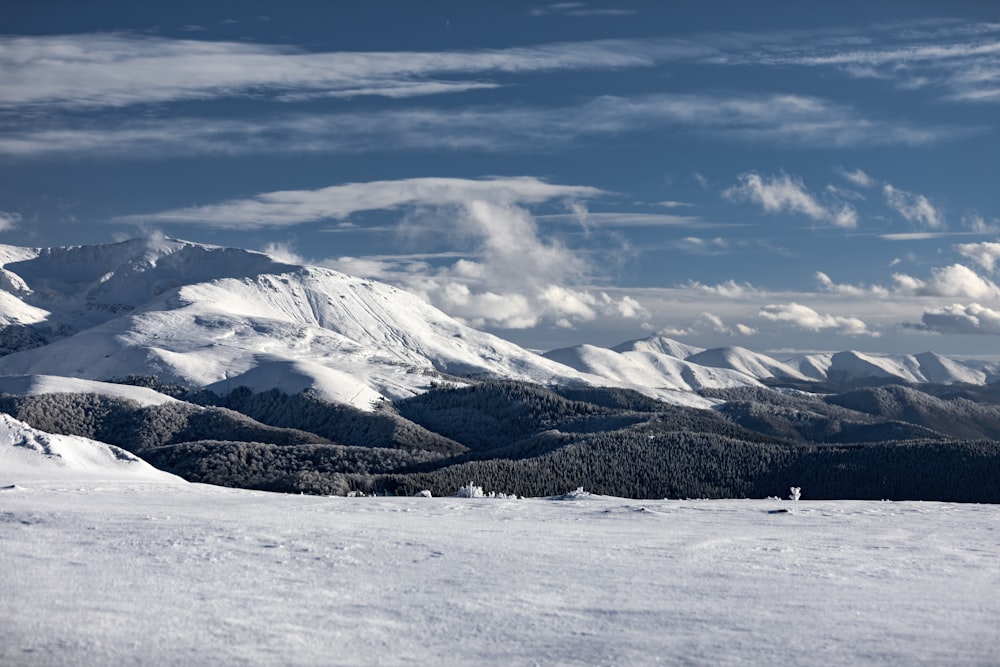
(212, 317)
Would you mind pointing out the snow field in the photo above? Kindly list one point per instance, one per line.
(159, 574)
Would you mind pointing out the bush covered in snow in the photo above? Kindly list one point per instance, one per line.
(470, 490)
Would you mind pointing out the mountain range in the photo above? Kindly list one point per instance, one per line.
(230, 367)
(218, 318)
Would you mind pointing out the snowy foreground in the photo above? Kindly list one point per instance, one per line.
(159, 572)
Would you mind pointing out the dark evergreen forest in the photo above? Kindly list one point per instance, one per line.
(885, 442)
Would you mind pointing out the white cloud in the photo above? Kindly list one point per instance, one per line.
(718, 326)
(107, 69)
(729, 289)
(9, 220)
(700, 246)
(858, 178)
(914, 236)
(960, 58)
(962, 319)
(627, 307)
(827, 284)
(978, 224)
(956, 280)
(783, 119)
(293, 207)
(116, 69)
(778, 194)
(808, 319)
(503, 273)
(714, 322)
(283, 252)
(986, 254)
(608, 219)
(578, 9)
(915, 208)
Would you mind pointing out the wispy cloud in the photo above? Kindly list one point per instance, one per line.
(858, 178)
(913, 207)
(778, 119)
(622, 219)
(110, 69)
(783, 193)
(699, 246)
(916, 236)
(959, 60)
(9, 220)
(292, 207)
(729, 289)
(579, 9)
(862, 291)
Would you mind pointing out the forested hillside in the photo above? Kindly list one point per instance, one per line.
(520, 438)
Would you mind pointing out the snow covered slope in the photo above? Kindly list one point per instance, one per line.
(30, 454)
(643, 367)
(740, 359)
(659, 361)
(116, 574)
(851, 366)
(221, 317)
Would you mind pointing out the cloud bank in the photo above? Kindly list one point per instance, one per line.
(961, 319)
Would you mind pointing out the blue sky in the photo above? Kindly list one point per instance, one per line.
(787, 177)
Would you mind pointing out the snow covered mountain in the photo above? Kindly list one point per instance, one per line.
(749, 363)
(221, 318)
(204, 316)
(848, 367)
(643, 366)
(199, 316)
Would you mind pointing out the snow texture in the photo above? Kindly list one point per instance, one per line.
(128, 573)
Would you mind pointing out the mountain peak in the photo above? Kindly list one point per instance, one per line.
(660, 344)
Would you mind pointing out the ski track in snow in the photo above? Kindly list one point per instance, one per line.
(128, 573)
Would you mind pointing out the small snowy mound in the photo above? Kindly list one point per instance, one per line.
(27, 453)
(579, 494)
